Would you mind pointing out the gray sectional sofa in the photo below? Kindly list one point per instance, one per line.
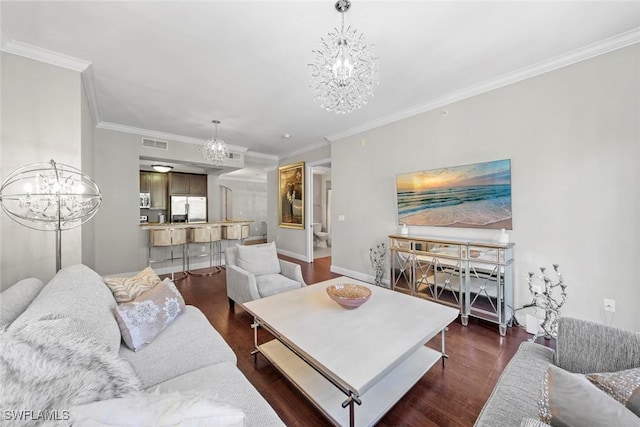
(582, 347)
(189, 355)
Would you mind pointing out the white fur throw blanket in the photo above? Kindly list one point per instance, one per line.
(47, 366)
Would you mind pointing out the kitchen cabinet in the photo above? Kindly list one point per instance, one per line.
(144, 182)
(198, 185)
(156, 185)
(187, 184)
(158, 191)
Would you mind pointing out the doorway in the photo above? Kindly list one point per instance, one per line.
(320, 235)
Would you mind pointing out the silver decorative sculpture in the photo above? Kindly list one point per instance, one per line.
(545, 300)
(378, 255)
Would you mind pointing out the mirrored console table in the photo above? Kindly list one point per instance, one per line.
(475, 277)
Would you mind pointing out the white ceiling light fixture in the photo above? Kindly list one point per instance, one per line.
(161, 168)
(345, 69)
(215, 150)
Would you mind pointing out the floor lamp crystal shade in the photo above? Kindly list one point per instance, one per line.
(51, 197)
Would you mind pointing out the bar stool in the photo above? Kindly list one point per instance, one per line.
(205, 234)
(168, 237)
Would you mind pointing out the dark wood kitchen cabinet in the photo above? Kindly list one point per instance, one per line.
(158, 190)
(187, 184)
(156, 185)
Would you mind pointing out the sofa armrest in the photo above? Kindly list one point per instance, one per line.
(16, 299)
(587, 347)
(241, 285)
(292, 271)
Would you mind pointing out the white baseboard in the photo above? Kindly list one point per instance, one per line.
(293, 255)
(356, 275)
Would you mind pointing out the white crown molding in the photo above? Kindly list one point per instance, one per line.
(90, 89)
(605, 46)
(163, 136)
(43, 55)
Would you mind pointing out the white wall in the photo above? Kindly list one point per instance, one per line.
(573, 138)
(41, 120)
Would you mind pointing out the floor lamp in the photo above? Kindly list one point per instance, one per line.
(50, 197)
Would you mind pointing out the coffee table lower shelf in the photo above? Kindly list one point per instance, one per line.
(328, 399)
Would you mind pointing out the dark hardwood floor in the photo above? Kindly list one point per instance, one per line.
(449, 396)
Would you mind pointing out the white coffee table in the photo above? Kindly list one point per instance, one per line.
(372, 355)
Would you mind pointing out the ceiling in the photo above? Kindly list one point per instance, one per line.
(165, 69)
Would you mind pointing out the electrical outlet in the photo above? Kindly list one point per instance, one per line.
(203, 249)
(609, 305)
(340, 217)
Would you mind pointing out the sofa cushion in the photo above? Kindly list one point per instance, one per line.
(569, 399)
(127, 289)
(16, 299)
(190, 343)
(80, 293)
(225, 383)
(259, 259)
(159, 410)
(271, 284)
(624, 386)
(517, 391)
(144, 318)
(48, 365)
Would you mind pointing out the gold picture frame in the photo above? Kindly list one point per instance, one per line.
(291, 193)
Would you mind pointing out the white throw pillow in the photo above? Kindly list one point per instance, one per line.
(259, 259)
(144, 318)
(158, 410)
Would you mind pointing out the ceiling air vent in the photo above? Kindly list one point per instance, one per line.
(152, 143)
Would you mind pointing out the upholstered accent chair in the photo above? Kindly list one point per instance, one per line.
(254, 272)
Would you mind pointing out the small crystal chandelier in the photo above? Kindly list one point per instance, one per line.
(345, 68)
(215, 150)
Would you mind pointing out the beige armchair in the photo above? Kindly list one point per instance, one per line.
(255, 272)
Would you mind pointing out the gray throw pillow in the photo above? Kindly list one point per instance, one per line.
(259, 259)
(624, 386)
(144, 318)
(532, 422)
(569, 399)
(16, 299)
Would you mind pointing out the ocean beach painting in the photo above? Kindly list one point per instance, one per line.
(473, 196)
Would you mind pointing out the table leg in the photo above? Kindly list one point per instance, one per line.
(444, 354)
(255, 325)
(350, 402)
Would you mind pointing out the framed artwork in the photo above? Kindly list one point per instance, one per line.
(291, 193)
(471, 196)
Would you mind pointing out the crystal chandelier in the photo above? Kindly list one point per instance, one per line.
(51, 197)
(215, 150)
(344, 70)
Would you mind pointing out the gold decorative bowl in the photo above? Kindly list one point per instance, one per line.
(349, 296)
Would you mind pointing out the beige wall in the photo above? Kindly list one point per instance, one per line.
(573, 139)
(41, 120)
